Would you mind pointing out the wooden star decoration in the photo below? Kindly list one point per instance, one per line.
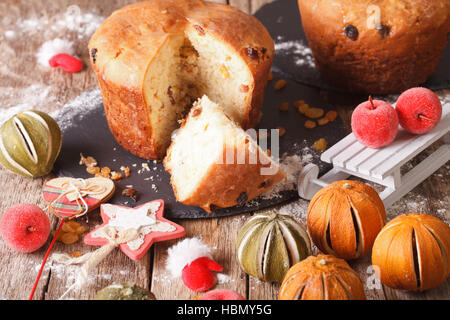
(147, 219)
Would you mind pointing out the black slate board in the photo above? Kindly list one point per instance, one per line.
(282, 19)
(89, 134)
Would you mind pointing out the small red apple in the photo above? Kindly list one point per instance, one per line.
(24, 227)
(375, 123)
(419, 110)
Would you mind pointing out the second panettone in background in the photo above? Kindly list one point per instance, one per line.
(214, 163)
(377, 46)
(153, 59)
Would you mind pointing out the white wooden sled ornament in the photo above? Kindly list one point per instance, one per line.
(382, 166)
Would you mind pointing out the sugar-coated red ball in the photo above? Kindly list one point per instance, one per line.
(222, 294)
(419, 110)
(24, 227)
(375, 123)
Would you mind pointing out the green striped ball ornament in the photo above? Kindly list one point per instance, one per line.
(30, 142)
(268, 244)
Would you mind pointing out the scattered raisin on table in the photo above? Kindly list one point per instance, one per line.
(280, 84)
(281, 131)
(310, 124)
(284, 106)
(130, 192)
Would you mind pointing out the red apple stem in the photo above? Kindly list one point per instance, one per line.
(45, 259)
(371, 102)
(421, 116)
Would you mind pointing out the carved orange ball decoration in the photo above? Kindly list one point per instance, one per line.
(344, 218)
(322, 278)
(412, 252)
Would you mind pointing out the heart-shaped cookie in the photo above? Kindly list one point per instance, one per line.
(70, 198)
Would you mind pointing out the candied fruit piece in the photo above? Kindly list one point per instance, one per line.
(280, 84)
(281, 131)
(331, 115)
(224, 71)
(69, 238)
(320, 144)
(323, 121)
(105, 170)
(310, 124)
(284, 106)
(314, 113)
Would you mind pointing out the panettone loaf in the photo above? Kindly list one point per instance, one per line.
(376, 46)
(214, 163)
(153, 59)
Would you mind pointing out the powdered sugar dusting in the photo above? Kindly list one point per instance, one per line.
(297, 50)
(31, 97)
(291, 165)
(73, 113)
(73, 19)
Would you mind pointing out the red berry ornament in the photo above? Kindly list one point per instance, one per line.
(419, 110)
(375, 123)
(220, 294)
(197, 275)
(24, 227)
(66, 62)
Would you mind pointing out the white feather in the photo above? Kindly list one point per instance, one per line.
(185, 252)
(53, 47)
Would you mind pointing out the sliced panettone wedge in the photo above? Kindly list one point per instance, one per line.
(214, 163)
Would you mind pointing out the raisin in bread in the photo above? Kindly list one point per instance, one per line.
(376, 46)
(153, 59)
(214, 163)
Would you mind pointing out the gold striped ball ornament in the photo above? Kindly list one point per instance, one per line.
(268, 244)
(30, 142)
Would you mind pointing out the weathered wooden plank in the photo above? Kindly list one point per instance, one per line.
(219, 234)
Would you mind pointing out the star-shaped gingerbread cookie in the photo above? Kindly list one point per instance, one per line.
(146, 219)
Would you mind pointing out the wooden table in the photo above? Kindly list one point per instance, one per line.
(22, 81)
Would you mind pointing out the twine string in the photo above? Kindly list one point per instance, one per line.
(92, 259)
(80, 191)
